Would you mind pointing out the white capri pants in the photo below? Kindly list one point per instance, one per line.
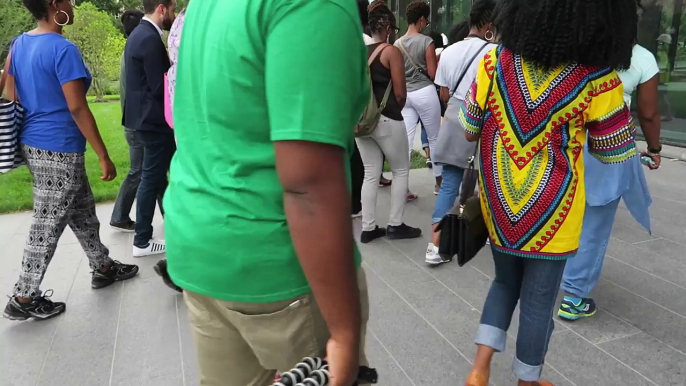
(423, 104)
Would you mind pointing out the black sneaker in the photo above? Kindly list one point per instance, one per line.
(126, 227)
(161, 269)
(40, 308)
(369, 236)
(117, 272)
(403, 231)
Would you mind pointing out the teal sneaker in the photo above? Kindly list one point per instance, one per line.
(576, 308)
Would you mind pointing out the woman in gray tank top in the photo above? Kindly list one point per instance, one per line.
(420, 69)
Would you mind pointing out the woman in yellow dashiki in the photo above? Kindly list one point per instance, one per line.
(534, 102)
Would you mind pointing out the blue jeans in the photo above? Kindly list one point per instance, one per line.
(129, 187)
(425, 138)
(583, 271)
(534, 283)
(158, 150)
(450, 189)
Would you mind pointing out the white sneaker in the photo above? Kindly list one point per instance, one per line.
(155, 247)
(432, 256)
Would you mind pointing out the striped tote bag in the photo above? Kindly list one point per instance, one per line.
(11, 117)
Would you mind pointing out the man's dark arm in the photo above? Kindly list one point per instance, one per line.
(317, 205)
(155, 64)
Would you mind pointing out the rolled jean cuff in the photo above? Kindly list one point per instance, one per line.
(492, 337)
(526, 373)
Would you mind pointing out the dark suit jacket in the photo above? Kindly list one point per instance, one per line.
(146, 62)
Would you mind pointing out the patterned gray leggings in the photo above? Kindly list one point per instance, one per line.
(61, 196)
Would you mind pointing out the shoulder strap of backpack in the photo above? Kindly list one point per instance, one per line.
(386, 95)
(376, 53)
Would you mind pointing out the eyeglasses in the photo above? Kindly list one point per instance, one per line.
(73, 3)
(394, 28)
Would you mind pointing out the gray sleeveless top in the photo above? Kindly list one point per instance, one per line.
(415, 46)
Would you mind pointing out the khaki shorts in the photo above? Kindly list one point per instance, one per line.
(245, 344)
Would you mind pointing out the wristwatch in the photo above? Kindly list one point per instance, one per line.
(655, 151)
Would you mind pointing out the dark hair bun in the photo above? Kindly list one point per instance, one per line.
(377, 5)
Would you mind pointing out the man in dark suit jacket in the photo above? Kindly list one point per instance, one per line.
(146, 62)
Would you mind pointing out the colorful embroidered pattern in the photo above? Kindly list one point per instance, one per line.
(534, 129)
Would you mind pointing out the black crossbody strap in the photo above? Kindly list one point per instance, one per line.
(464, 72)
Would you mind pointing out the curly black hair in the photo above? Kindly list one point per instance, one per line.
(415, 10)
(482, 13)
(459, 32)
(380, 16)
(38, 8)
(552, 33)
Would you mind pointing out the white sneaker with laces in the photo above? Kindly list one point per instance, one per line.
(154, 247)
(432, 256)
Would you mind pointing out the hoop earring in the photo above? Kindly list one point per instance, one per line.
(57, 22)
(490, 39)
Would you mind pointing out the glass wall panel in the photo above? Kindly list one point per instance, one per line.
(662, 30)
(444, 13)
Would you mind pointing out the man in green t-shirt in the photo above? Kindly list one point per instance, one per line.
(257, 224)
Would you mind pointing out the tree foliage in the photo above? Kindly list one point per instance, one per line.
(116, 7)
(100, 43)
(14, 19)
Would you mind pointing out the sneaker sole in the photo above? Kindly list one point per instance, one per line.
(114, 280)
(573, 317)
(391, 237)
(369, 241)
(32, 317)
(122, 230)
(149, 254)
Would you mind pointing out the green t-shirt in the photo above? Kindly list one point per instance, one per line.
(252, 72)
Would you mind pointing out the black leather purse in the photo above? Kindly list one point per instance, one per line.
(463, 229)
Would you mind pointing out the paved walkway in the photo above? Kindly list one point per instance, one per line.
(422, 322)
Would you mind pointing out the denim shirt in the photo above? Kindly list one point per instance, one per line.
(608, 182)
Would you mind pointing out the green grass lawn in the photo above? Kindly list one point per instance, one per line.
(109, 98)
(15, 186)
